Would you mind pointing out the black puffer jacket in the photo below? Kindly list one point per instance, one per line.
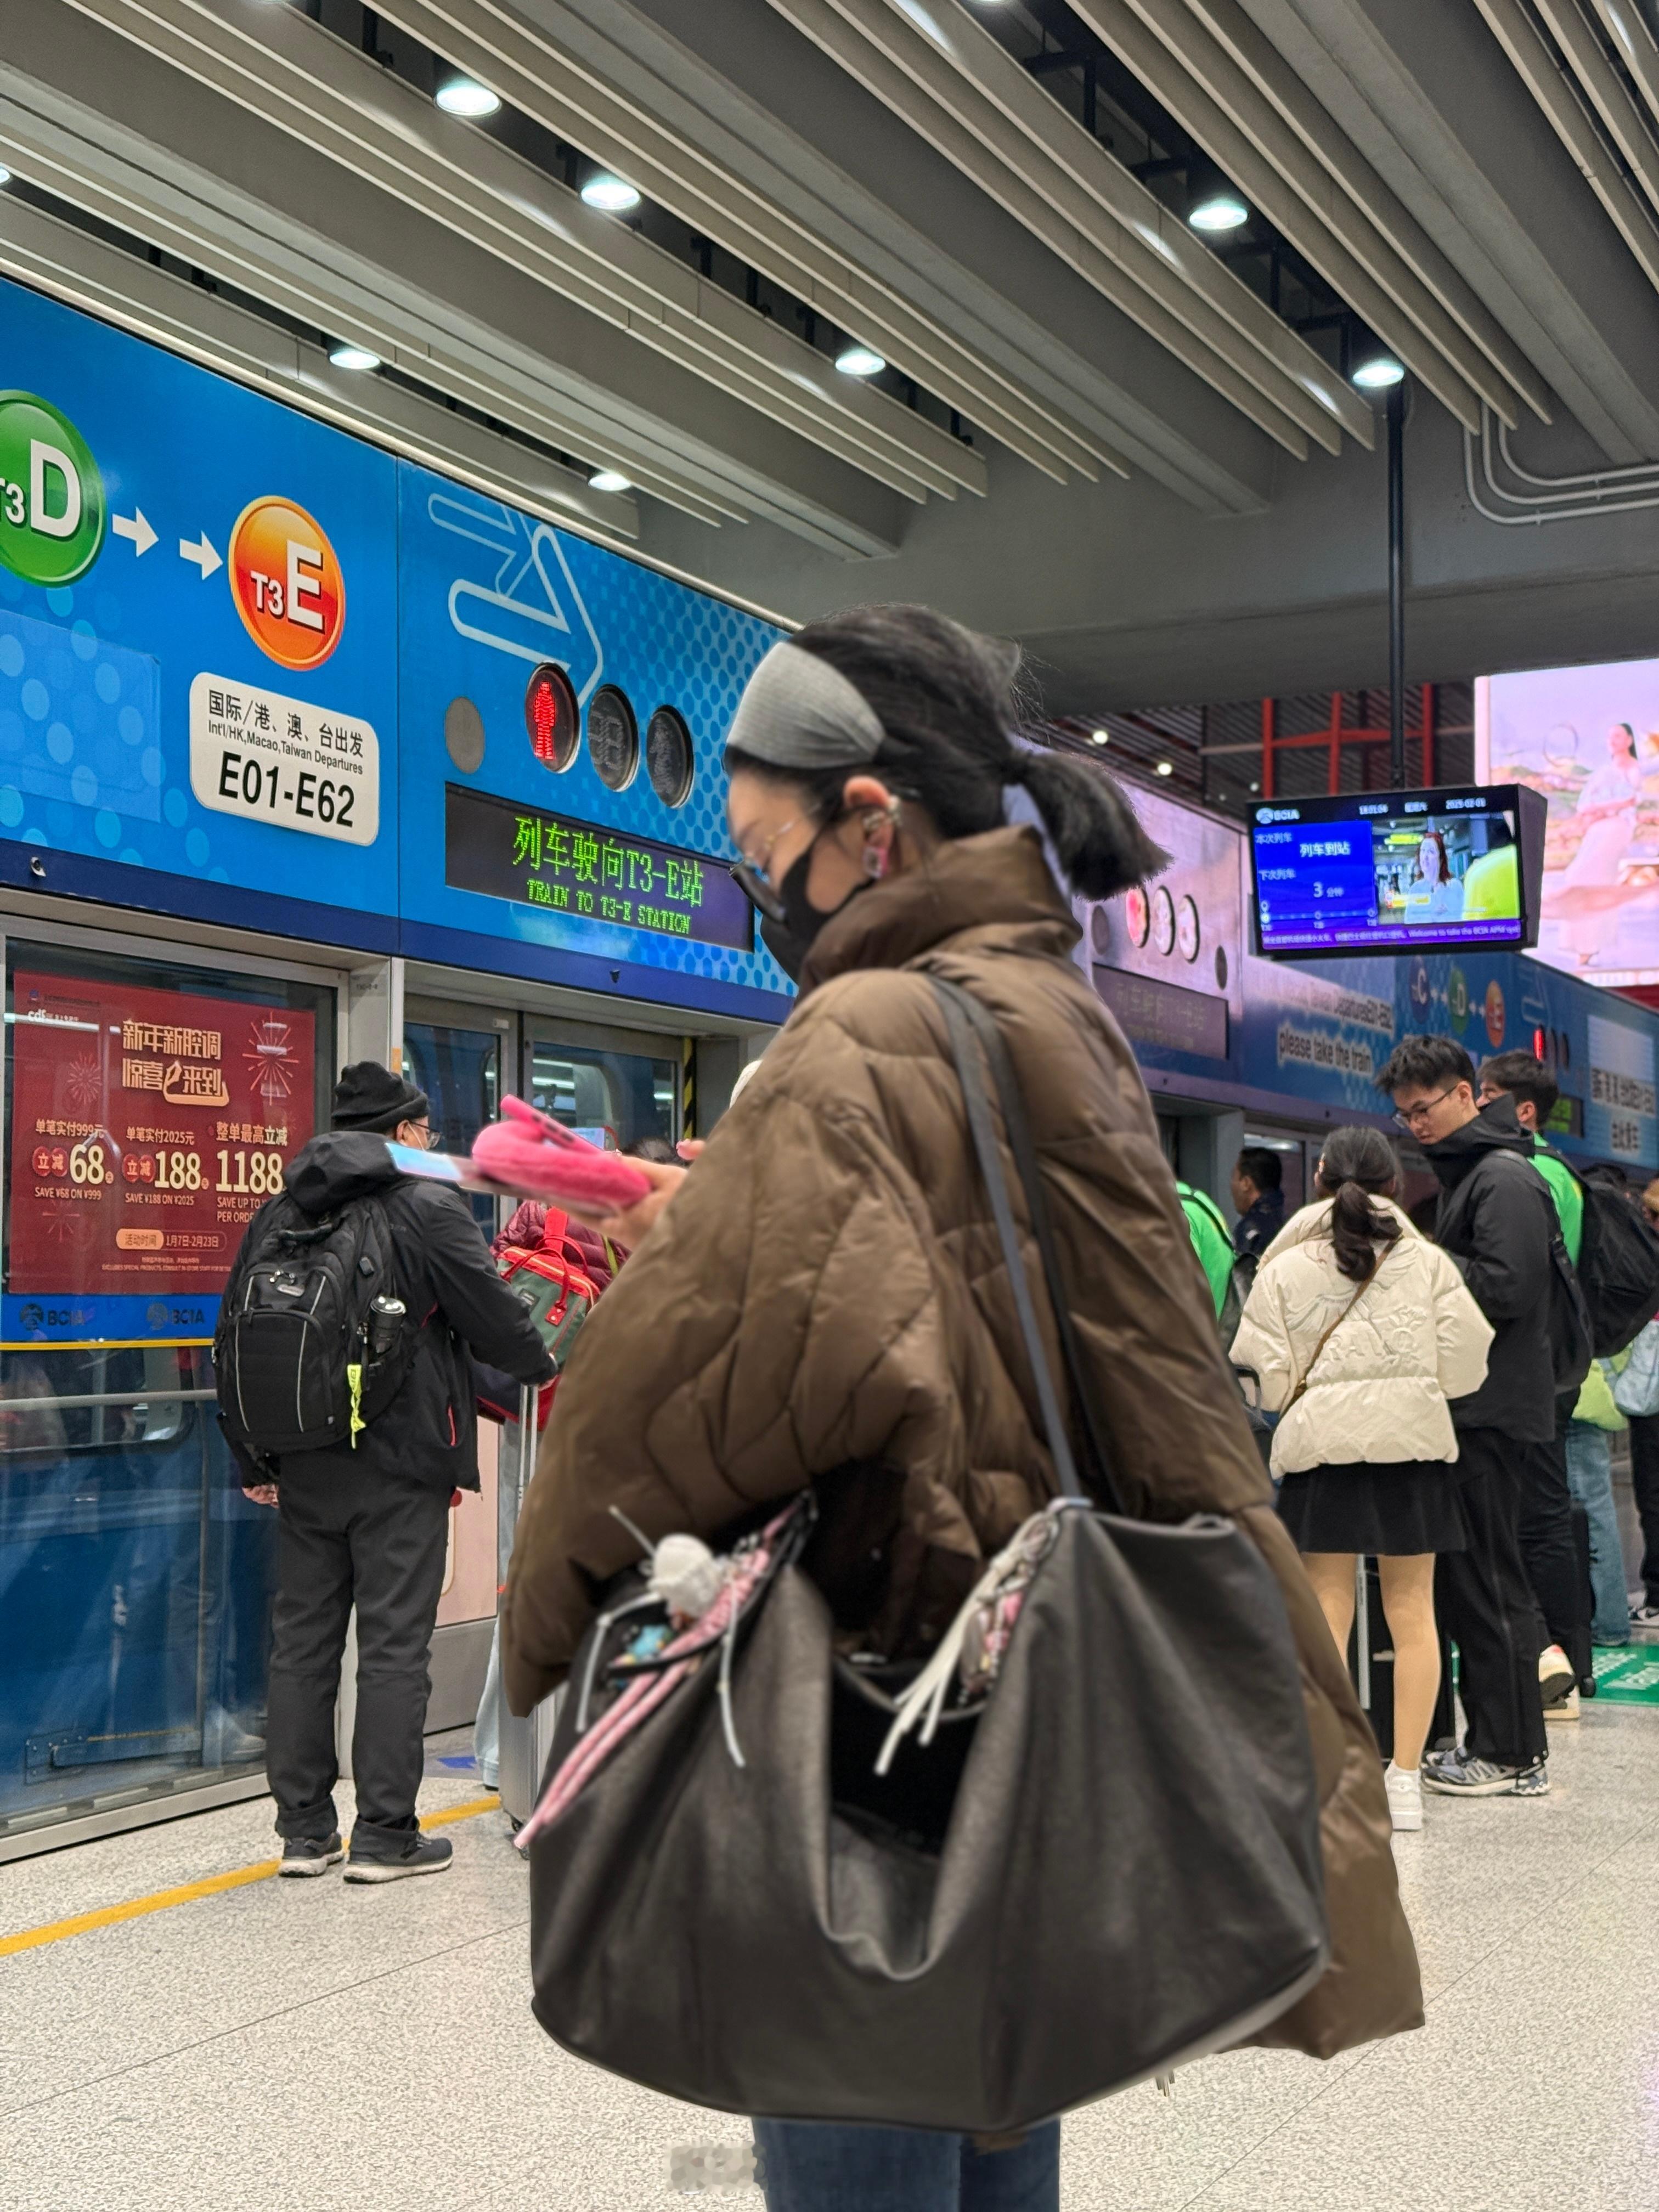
(1496, 1219)
(445, 1276)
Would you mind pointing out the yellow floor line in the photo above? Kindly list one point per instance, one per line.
(161, 1900)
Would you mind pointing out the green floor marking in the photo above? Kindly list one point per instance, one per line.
(1628, 1674)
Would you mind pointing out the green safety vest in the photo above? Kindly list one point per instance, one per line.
(1214, 1246)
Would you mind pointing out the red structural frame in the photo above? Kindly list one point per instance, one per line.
(1334, 737)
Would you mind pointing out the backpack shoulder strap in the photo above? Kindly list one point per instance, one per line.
(1205, 1205)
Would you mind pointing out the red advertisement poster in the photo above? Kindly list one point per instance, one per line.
(147, 1128)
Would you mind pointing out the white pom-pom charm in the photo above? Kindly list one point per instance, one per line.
(686, 1575)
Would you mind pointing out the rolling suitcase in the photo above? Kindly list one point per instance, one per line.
(524, 1743)
(1370, 1655)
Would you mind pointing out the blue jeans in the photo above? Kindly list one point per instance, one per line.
(1589, 1477)
(813, 2167)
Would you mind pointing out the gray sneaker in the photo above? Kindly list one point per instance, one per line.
(420, 1855)
(1456, 1773)
(311, 1855)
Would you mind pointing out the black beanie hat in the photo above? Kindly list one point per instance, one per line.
(370, 1096)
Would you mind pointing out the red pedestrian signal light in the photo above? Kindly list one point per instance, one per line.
(550, 716)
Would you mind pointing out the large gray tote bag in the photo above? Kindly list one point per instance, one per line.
(1108, 1865)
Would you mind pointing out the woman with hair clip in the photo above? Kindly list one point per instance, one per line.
(820, 1300)
(1361, 1330)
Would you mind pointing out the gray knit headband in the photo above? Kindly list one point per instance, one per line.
(798, 712)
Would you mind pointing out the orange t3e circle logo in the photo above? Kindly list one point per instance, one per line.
(285, 578)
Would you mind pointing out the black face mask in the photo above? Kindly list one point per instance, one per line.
(790, 940)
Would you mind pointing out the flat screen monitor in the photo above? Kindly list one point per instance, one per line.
(1588, 739)
(1397, 871)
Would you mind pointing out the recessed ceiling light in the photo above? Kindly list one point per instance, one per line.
(609, 480)
(5, 175)
(859, 361)
(461, 95)
(615, 195)
(1100, 737)
(1377, 372)
(347, 356)
(1166, 768)
(1220, 210)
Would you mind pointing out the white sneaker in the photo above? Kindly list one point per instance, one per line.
(1556, 1676)
(1564, 1708)
(1405, 1790)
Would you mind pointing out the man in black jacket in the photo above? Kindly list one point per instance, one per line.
(1496, 1221)
(369, 1525)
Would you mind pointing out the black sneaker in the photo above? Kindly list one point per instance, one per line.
(309, 1855)
(420, 1855)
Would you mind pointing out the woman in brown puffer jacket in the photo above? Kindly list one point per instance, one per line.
(818, 1300)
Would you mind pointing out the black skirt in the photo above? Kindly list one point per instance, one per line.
(1396, 1509)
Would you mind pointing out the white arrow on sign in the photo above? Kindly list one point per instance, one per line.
(136, 526)
(201, 554)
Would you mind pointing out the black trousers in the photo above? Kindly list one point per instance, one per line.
(1554, 1567)
(1486, 1606)
(351, 1536)
(1645, 1481)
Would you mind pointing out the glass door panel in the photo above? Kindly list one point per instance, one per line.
(459, 1069)
(149, 1110)
(616, 1092)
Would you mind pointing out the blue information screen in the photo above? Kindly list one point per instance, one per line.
(1401, 869)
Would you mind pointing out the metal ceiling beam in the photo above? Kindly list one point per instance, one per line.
(339, 256)
(965, 144)
(1514, 30)
(1178, 60)
(58, 258)
(536, 72)
(1607, 91)
(1630, 33)
(277, 64)
(979, 106)
(1428, 98)
(1380, 207)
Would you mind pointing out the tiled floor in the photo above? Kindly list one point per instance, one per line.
(289, 2047)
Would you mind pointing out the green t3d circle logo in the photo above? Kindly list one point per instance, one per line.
(52, 514)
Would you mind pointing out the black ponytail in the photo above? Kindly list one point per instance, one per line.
(1356, 1165)
(1095, 831)
(946, 699)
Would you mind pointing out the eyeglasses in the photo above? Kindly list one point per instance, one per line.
(752, 880)
(1410, 1116)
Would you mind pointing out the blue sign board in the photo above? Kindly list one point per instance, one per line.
(242, 652)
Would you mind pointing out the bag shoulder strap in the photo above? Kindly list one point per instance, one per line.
(966, 1020)
(1319, 1349)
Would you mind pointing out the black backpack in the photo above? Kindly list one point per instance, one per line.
(1572, 1339)
(313, 1339)
(1617, 1267)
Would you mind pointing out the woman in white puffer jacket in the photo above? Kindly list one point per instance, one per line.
(1360, 1330)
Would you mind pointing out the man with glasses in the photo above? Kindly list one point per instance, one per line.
(1496, 1221)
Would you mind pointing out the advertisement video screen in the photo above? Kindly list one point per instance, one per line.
(1389, 872)
(1586, 739)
